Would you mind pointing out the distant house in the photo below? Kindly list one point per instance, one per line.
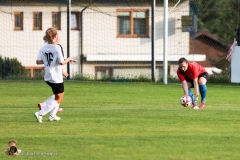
(109, 39)
(208, 44)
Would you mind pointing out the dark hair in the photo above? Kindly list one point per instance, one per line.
(181, 60)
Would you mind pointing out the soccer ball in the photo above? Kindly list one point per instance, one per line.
(183, 100)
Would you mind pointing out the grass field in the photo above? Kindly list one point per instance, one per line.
(130, 121)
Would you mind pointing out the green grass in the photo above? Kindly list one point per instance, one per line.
(127, 121)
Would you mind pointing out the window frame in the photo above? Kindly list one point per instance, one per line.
(132, 35)
(16, 28)
(58, 22)
(108, 70)
(78, 20)
(40, 21)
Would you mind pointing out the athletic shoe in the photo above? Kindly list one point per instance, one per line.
(40, 106)
(195, 107)
(38, 117)
(56, 118)
(202, 105)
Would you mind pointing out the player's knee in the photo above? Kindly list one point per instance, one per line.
(202, 81)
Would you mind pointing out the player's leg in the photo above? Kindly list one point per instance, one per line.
(58, 90)
(41, 105)
(203, 90)
(53, 112)
(190, 85)
(48, 107)
(190, 94)
(51, 103)
(202, 80)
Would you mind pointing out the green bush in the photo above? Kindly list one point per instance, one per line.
(140, 78)
(214, 78)
(219, 79)
(81, 77)
(11, 68)
(170, 79)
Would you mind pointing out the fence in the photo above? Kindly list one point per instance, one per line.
(112, 38)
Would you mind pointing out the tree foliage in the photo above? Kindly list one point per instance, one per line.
(11, 67)
(219, 17)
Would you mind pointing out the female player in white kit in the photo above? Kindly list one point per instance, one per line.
(50, 55)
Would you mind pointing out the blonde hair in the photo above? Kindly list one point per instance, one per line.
(12, 143)
(50, 34)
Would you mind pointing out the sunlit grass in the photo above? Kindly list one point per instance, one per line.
(120, 121)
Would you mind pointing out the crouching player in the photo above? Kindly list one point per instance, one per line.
(193, 75)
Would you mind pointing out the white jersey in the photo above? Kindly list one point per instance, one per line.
(51, 55)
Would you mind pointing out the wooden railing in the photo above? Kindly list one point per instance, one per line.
(32, 68)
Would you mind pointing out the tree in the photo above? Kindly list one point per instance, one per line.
(11, 67)
(220, 18)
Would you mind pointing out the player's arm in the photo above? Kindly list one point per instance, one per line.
(68, 60)
(185, 87)
(39, 58)
(65, 74)
(39, 61)
(185, 90)
(184, 83)
(195, 83)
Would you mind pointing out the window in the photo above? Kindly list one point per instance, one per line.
(75, 19)
(37, 20)
(18, 20)
(103, 72)
(56, 20)
(132, 23)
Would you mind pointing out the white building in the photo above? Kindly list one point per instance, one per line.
(109, 39)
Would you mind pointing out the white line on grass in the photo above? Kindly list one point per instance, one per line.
(170, 109)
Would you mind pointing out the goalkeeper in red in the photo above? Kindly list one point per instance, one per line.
(193, 75)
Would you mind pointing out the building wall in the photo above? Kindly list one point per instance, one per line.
(99, 34)
(126, 70)
(25, 44)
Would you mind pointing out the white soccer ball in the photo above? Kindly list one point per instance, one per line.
(184, 102)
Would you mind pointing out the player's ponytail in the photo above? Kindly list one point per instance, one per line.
(49, 35)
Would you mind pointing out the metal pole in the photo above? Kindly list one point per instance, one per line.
(165, 43)
(81, 39)
(68, 34)
(153, 40)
